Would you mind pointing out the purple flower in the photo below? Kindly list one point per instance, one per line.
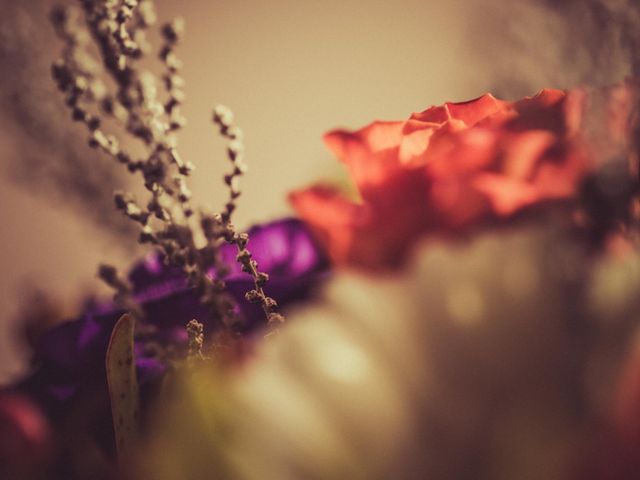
(284, 249)
(69, 380)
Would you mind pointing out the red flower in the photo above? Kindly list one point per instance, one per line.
(447, 169)
(25, 437)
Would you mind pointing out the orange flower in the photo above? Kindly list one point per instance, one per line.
(448, 169)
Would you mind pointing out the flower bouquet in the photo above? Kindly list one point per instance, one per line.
(469, 310)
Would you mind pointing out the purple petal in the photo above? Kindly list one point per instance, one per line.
(70, 357)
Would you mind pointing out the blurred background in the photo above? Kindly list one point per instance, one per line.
(290, 71)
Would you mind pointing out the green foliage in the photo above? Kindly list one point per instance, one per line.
(123, 384)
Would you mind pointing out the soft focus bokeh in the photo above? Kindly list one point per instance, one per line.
(290, 71)
(486, 360)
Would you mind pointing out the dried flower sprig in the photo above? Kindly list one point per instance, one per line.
(223, 118)
(195, 332)
(109, 274)
(188, 240)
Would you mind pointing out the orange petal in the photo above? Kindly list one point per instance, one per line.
(330, 216)
(543, 111)
(545, 98)
(371, 153)
(415, 142)
(521, 152)
(473, 111)
(506, 195)
(470, 112)
(461, 153)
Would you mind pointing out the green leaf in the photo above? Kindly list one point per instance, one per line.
(123, 384)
